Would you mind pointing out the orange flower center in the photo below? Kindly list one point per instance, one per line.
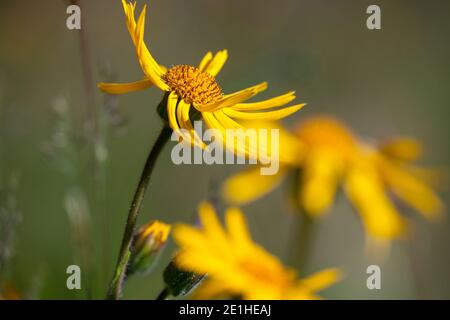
(193, 85)
(329, 133)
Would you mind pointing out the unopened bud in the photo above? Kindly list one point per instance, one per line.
(148, 243)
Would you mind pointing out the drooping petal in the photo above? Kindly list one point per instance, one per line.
(237, 138)
(266, 104)
(411, 189)
(403, 149)
(172, 103)
(213, 123)
(365, 190)
(255, 139)
(269, 115)
(122, 88)
(249, 185)
(291, 149)
(185, 123)
(321, 173)
(176, 109)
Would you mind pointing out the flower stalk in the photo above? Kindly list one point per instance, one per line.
(125, 250)
(164, 294)
(304, 230)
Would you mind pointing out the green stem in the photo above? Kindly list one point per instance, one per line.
(125, 250)
(420, 288)
(163, 295)
(302, 237)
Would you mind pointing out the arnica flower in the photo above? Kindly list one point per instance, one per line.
(148, 243)
(237, 266)
(192, 91)
(329, 156)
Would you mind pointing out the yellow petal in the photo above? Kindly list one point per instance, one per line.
(149, 65)
(213, 123)
(188, 237)
(237, 226)
(365, 190)
(243, 143)
(213, 229)
(411, 189)
(215, 64)
(122, 88)
(172, 102)
(232, 99)
(266, 104)
(210, 264)
(291, 149)
(321, 280)
(209, 220)
(249, 185)
(205, 61)
(319, 180)
(405, 149)
(185, 123)
(269, 115)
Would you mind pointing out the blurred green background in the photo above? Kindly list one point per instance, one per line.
(382, 83)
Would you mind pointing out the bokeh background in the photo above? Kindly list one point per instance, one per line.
(382, 83)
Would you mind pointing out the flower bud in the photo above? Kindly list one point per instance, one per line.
(180, 282)
(148, 243)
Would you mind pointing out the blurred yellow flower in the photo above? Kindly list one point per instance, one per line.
(236, 265)
(9, 292)
(329, 155)
(194, 88)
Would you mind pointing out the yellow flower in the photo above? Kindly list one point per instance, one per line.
(194, 88)
(236, 265)
(329, 156)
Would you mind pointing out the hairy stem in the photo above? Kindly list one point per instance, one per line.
(125, 250)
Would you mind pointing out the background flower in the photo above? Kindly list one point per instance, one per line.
(237, 266)
(330, 156)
